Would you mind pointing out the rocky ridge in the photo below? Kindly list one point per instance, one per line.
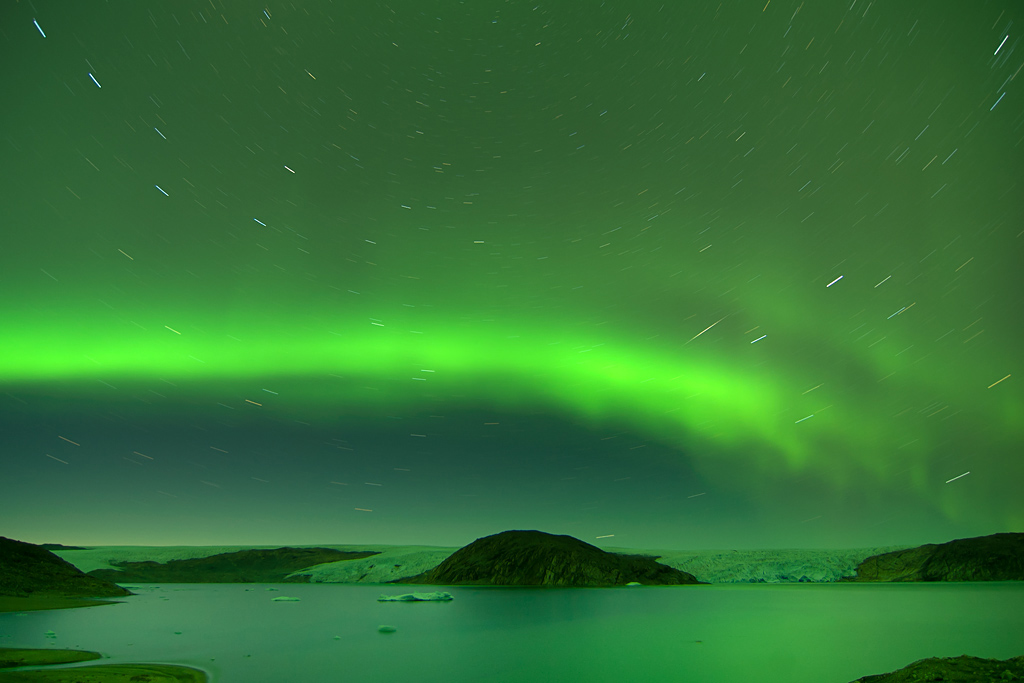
(245, 566)
(999, 557)
(26, 570)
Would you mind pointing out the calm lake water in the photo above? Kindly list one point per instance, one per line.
(799, 633)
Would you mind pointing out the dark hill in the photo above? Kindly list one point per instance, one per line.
(999, 557)
(534, 558)
(26, 570)
(243, 566)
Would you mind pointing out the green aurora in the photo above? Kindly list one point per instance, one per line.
(761, 260)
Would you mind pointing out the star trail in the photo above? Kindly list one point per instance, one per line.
(697, 276)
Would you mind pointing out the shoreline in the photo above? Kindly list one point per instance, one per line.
(11, 658)
(36, 603)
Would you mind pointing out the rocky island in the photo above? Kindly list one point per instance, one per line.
(535, 558)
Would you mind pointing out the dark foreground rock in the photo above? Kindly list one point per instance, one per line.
(962, 669)
(534, 558)
(26, 570)
(999, 557)
(243, 566)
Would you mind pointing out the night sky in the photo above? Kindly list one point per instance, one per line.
(652, 274)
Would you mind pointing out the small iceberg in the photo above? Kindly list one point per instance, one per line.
(284, 598)
(436, 596)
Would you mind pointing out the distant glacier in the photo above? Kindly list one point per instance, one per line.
(712, 566)
(396, 562)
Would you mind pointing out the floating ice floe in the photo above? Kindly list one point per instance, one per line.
(436, 596)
